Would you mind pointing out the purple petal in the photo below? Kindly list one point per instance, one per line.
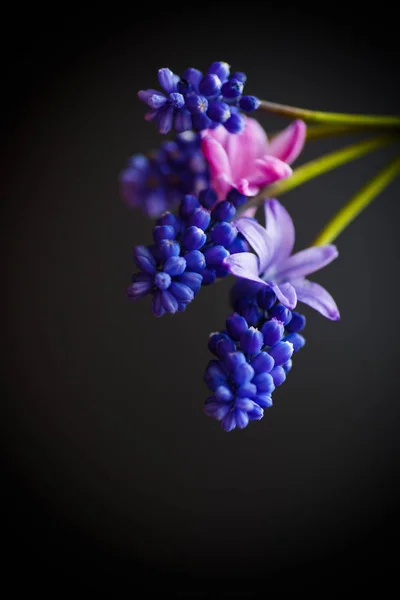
(258, 238)
(288, 144)
(286, 294)
(244, 265)
(167, 80)
(307, 261)
(317, 297)
(165, 119)
(280, 229)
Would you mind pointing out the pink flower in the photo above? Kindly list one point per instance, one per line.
(248, 161)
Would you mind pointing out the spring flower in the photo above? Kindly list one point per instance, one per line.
(199, 102)
(275, 266)
(252, 361)
(249, 161)
(157, 182)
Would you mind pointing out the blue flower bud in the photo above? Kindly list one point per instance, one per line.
(156, 304)
(281, 352)
(214, 255)
(183, 120)
(218, 111)
(220, 68)
(221, 271)
(252, 313)
(281, 313)
(224, 233)
(163, 232)
(210, 85)
(224, 346)
(296, 339)
(144, 259)
(236, 326)
(197, 104)
(182, 292)
(233, 360)
(272, 331)
(296, 323)
(192, 280)
(239, 244)
(162, 281)
(241, 418)
(175, 265)
(262, 363)
(223, 394)
(264, 383)
(249, 103)
(208, 198)
(236, 197)
(193, 76)
(239, 76)
(170, 219)
(169, 302)
(168, 248)
(249, 390)
(188, 206)
(232, 88)
(213, 340)
(195, 261)
(263, 400)
(235, 123)
(194, 238)
(243, 373)
(209, 276)
(287, 366)
(228, 423)
(278, 375)
(251, 341)
(201, 218)
(217, 410)
(141, 285)
(223, 211)
(176, 100)
(256, 413)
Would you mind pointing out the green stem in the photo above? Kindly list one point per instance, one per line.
(314, 116)
(316, 167)
(317, 132)
(358, 203)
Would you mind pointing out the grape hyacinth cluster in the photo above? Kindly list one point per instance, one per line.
(188, 251)
(157, 182)
(196, 101)
(251, 359)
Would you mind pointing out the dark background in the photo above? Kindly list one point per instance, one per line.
(111, 470)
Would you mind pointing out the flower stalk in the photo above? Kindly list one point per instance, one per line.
(313, 116)
(358, 203)
(316, 167)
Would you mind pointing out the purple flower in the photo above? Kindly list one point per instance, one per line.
(276, 267)
(169, 107)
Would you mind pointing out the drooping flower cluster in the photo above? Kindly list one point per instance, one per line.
(157, 182)
(252, 360)
(196, 101)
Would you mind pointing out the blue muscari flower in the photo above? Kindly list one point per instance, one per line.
(156, 183)
(251, 359)
(197, 101)
(192, 244)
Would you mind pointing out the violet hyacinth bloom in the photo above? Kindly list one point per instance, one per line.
(276, 267)
(248, 161)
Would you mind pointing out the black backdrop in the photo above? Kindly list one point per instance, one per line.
(110, 467)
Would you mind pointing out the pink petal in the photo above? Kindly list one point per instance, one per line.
(286, 294)
(245, 148)
(280, 229)
(258, 239)
(288, 144)
(317, 297)
(244, 265)
(269, 169)
(221, 174)
(307, 261)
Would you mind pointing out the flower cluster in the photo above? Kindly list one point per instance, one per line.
(252, 360)
(199, 102)
(157, 182)
(189, 249)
